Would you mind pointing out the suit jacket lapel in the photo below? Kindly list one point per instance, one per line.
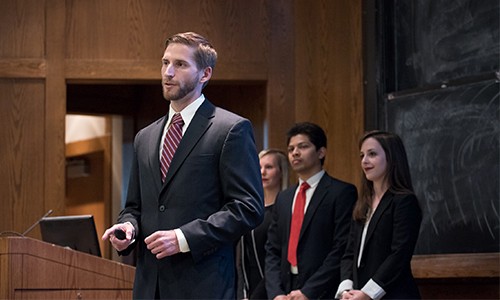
(154, 146)
(288, 208)
(200, 123)
(382, 206)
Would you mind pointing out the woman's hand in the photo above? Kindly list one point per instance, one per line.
(354, 295)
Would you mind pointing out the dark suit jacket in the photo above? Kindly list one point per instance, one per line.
(252, 260)
(322, 240)
(389, 245)
(212, 192)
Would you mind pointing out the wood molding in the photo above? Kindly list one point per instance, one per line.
(23, 68)
(127, 69)
(107, 69)
(87, 146)
(470, 265)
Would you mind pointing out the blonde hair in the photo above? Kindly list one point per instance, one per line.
(282, 164)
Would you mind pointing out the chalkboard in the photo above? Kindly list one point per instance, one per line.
(442, 40)
(452, 139)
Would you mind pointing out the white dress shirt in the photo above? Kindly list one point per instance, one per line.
(187, 115)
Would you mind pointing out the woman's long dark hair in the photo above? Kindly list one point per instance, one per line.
(398, 171)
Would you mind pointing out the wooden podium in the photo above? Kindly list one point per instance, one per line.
(32, 269)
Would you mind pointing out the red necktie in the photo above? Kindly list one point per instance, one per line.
(172, 140)
(297, 218)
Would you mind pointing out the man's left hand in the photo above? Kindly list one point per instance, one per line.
(297, 295)
(163, 243)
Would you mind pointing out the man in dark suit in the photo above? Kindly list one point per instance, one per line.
(187, 205)
(303, 257)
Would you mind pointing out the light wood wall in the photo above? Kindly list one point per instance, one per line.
(307, 52)
(328, 79)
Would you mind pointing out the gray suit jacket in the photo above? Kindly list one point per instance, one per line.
(212, 192)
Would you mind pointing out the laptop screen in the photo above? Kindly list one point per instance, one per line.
(76, 232)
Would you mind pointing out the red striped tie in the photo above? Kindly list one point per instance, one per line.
(297, 219)
(172, 140)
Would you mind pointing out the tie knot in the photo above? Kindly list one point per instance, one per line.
(304, 186)
(177, 119)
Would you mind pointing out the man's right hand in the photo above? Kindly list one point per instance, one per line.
(118, 244)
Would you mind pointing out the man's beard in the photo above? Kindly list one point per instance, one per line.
(182, 92)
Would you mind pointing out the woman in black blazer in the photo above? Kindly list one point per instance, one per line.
(385, 226)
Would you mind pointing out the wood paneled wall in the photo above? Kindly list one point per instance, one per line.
(328, 78)
(307, 52)
(32, 107)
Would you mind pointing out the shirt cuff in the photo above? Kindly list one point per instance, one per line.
(183, 244)
(345, 285)
(373, 290)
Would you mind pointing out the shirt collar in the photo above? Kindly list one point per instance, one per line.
(188, 112)
(313, 180)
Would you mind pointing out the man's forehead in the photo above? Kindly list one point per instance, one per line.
(179, 52)
(299, 139)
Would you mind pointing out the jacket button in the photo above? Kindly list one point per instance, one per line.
(162, 208)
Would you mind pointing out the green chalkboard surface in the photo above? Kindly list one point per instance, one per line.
(437, 41)
(452, 139)
(438, 77)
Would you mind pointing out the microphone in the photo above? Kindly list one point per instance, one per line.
(36, 223)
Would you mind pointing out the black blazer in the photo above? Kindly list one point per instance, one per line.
(252, 260)
(212, 192)
(389, 245)
(322, 240)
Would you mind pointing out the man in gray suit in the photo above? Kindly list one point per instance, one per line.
(184, 212)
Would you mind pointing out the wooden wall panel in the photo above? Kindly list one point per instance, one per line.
(247, 100)
(21, 153)
(118, 32)
(22, 51)
(328, 78)
(55, 107)
(307, 55)
(23, 26)
(22, 32)
(113, 29)
(280, 104)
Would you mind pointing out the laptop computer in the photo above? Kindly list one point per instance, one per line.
(76, 232)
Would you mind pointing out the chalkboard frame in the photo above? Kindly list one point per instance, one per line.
(470, 265)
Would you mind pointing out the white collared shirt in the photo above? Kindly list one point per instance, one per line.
(313, 182)
(187, 115)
